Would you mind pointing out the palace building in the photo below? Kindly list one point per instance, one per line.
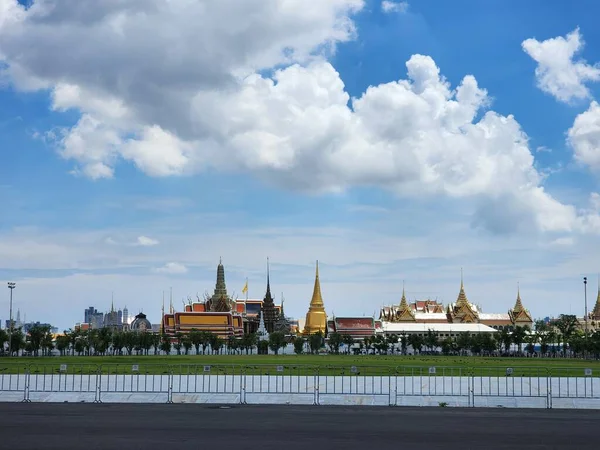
(457, 317)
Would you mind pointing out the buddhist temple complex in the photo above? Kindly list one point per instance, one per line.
(224, 316)
(316, 317)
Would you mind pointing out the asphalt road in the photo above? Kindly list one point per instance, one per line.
(133, 426)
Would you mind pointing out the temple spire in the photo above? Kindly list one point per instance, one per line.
(596, 310)
(268, 279)
(462, 296)
(316, 317)
(518, 304)
(317, 298)
(403, 302)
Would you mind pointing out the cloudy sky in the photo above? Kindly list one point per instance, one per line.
(142, 140)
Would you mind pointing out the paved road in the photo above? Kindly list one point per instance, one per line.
(181, 427)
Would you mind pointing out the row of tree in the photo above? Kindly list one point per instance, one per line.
(562, 337)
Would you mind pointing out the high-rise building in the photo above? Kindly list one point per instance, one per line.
(88, 313)
(125, 316)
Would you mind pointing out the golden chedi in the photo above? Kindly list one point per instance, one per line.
(316, 317)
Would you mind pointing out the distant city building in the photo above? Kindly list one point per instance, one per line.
(125, 316)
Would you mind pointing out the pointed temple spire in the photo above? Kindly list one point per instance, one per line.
(462, 297)
(268, 294)
(518, 304)
(220, 286)
(403, 302)
(317, 299)
(316, 317)
(268, 310)
(596, 310)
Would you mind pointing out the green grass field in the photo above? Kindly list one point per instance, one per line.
(303, 365)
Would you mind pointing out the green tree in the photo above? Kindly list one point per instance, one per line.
(566, 324)
(463, 342)
(62, 344)
(519, 335)
(36, 336)
(506, 338)
(447, 345)
(277, 341)
(348, 341)
(543, 335)
(299, 345)
(166, 344)
(431, 340)
(335, 341)
(416, 342)
(316, 341)
(196, 339)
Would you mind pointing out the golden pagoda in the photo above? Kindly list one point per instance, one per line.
(316, 317)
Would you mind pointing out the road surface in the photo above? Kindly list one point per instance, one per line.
(68, 426)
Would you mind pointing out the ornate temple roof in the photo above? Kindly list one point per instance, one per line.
(519, 313)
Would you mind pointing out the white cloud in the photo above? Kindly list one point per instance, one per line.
(584, 137)
(172, 268)
(145, 241)
(557, 72)
(563, 241)
(298, 127)
(394, 7)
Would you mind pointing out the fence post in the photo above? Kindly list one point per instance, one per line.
(26, 389)
(549, 389)
(316, 386)
(243, 386)
(170, 388)
(471, 386)
(390, 402)
(97, 398)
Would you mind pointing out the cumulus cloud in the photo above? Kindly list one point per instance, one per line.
(584, 137)
(145, 241)
(557, 72)
(394, 7)
(172, 268)
(260, 96)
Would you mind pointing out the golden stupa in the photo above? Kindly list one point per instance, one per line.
(316, 317)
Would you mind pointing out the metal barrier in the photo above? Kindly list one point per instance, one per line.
(440, 382)
(361, 381)
(282, 380)
(291, 383)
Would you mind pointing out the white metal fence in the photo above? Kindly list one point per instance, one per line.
(311, 384)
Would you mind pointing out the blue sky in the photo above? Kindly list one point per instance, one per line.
(131, 168)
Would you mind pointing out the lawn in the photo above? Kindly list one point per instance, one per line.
(303, 365)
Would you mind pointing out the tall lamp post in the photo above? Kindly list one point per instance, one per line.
(586, 313)
(11, 286)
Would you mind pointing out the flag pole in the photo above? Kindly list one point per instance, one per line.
(246, 301)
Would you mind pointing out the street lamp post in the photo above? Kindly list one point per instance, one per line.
(586, 312)
(11, 286)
